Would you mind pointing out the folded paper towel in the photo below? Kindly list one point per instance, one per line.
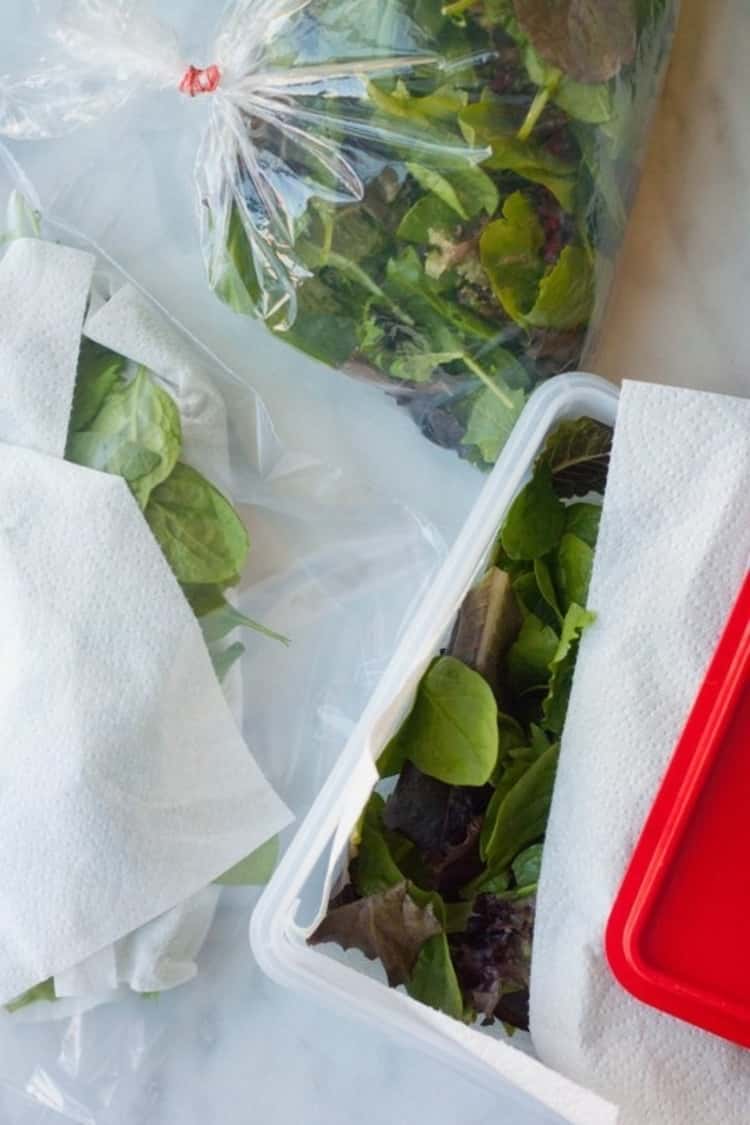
(126, 785)
(671, 555)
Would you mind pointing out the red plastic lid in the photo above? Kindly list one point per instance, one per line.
(679, 934)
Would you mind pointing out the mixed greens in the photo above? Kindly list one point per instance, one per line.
(124, 422)
(493, 188)
(443, 869)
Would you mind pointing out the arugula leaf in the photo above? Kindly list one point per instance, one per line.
(201, 535)
(256, 869)
(536, 520)
(136, 432)
(433, 979)
(590, 42)
(562, 666)
(521, 817)
(389, 927)
(451, 733)
(510, 253)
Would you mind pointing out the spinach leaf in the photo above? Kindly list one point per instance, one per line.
(99, 372)
(566, 294)
(510, 253)
(256, 869)
(224, 659)
(451, 733)
(218, 621)
(536, 520)
(527, 865)
(582, 520)
(573, 570)
(530, 657)
(433, 979)
(520, 818)
(135, 434)
(201, 535)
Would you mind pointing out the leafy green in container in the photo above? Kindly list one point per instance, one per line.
(444, 865)
(445, 228)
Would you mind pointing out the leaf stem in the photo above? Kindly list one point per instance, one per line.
(537, 107)
(488, 381)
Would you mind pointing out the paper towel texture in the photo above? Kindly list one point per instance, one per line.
(672, 552)
(125, 785)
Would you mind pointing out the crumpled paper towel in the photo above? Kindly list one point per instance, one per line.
(126, 786)
(673, 550)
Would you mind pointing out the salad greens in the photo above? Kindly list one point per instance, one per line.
(129, 425)
(446, 231)
(444, 866)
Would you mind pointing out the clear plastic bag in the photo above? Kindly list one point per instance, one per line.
(317, 561)
(429, 197)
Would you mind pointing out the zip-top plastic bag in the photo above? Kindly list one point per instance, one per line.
(426, 195)
(315, 558)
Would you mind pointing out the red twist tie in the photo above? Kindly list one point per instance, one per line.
(200, 81)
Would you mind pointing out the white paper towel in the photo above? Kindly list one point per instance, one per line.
(672, 552)
(125, 786)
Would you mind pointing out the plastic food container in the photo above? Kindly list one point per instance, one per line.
(297, 896)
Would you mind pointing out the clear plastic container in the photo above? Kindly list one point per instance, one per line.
(297, 896)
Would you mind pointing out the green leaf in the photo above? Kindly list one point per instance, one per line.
(201, 535)
(204, 599)
(530, 657)
(590, 42)
(238, 285)
(224, 659)
(451, 733)
(510, 733)
(325, 328)
(420, 367)
(577, 454)
(587, 102)
(510, 253)
(546, 586)
(566, 294)
(375, 868)
(433, 980)
(99, 372)
(441, 105)
(256, 869)
(466, 191)
(428, 216)
(219, 621)
(527, 865)
(136, 434)
(521, 817)
(530, 599)
(492, 418)
(575, 560)
(583, 521)
(486, 122)
(562, 666)
(40, 992)
(536, 520)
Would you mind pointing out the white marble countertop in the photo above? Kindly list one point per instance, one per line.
(234, 1048)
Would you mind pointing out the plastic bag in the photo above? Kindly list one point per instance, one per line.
(428, 197)
(316, 561)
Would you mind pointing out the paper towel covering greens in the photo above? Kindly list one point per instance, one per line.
(443, 868)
